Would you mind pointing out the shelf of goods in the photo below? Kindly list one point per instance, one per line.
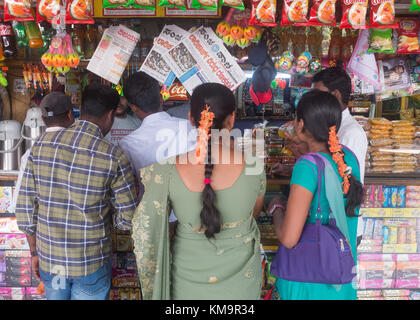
(16, 279)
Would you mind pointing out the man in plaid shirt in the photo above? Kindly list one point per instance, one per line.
(75, 188)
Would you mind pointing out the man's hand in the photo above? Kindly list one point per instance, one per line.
(35, 267)
(280, 169)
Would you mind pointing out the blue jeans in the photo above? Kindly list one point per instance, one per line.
(94, 286)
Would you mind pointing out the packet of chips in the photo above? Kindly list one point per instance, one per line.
(78, 12)
(180, 4)
(295, 13)
(237, 4)
(115, 3)
(415, 5)
(322, 13)
(408, 41)
(48, 10)
(381, 41)
(354, 14)
(17, 10)
(382, 14)
(204, 4)
(263, 13)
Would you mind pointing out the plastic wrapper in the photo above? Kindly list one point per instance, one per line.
(237, 4)
(382, 169)
(17, 10)
(48, 10)
(383, 157)
(380, 122)
(381, 142)
(354, 14)
(180, 4)
(408, 36)
(381, 41)
(115, 3)
(382, 14)
(322, 13)
(78, 11)
(203, 4)
(415, 5)
(34, 35)
(402, 123)
(295, 12)
(263, 13)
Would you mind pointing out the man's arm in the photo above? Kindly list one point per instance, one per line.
(124, 197)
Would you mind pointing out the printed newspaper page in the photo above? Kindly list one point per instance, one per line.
(113, 53)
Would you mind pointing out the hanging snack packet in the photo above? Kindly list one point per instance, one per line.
(381, 41)
(382, 14)
(78, 12)
(180, 4)
(322, 13)
(48, 10)
(204, 4)
(295, 13)
(408, 33)
(263, 13)
(115, 3)
(17, 10)
(237, 4)
(354, 14)
(415, 5)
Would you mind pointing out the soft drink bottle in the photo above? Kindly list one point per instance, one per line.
(8, 40)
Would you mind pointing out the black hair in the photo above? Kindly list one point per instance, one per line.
(142, 91)
(98, 100)
(222, 103)
(321, 110)
(335, 78)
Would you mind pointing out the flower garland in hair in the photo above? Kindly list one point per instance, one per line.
(338, 157)
(206, 122)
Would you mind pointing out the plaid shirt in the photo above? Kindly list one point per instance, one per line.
(76, 185)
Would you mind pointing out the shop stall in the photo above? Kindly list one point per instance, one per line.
(65, 45)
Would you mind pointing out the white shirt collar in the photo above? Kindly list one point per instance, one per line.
(53, 129)
(156, 116)
(345, 114)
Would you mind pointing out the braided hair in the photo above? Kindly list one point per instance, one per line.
(222, 103)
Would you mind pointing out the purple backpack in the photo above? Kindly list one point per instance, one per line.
(322, 255)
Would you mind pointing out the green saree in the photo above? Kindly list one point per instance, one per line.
(227, 266)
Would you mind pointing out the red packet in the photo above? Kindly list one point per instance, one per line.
(48, 10)
(382, 14)
(295, 13)
(78, 12)
(408, 33)
(322, 13)
(17, 10)
(263, 13)
(354, 14)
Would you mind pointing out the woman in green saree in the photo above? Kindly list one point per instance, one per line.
(215, 252)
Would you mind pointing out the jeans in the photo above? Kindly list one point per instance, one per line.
(95, 286)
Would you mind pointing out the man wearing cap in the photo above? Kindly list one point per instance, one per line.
(57, 114)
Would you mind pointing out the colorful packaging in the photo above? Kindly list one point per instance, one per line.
(394, 197)
(295, 13)
(115, 3)
(354, 14)
(180, 4)
(386, 202)
(385, 231)
(263, 13)
(17, 10)
(408, 36)
(322, 13)
(201, 4)
(401, 196)
(415, 5)
(382, 14)
(369, 225)
(402, 235)
(78, 12)
(393, 235)
(237, 4)
(378, 229)
(381, 41)
(48, 10)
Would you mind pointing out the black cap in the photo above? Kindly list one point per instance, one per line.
(55, 103)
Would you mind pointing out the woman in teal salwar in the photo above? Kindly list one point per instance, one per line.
(317, 114)
(215, 252)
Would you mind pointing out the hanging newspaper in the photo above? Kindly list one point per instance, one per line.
(113, 53)
(155, 65)
(201, 57)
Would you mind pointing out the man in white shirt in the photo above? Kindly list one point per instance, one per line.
(351, 134)
(57, 114)
(124, 123)
(160, 136)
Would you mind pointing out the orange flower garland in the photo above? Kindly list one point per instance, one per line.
(338, 157)
(206, 122)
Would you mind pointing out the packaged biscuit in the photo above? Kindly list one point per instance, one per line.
(382, 157)
(381, 41)
(237, 4)
(408, 36)
(402, 235)
(381, 142)
(263, 13)
(322, 13)
(202, 4)
(378, 229)
(381, 163)
(48, 10)
(382, 169)
(354, 14)
(180, 4)
(17, 10)
(79, 11)
(393, 235)
(295, 13)
(382, 14)
(381, 122)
